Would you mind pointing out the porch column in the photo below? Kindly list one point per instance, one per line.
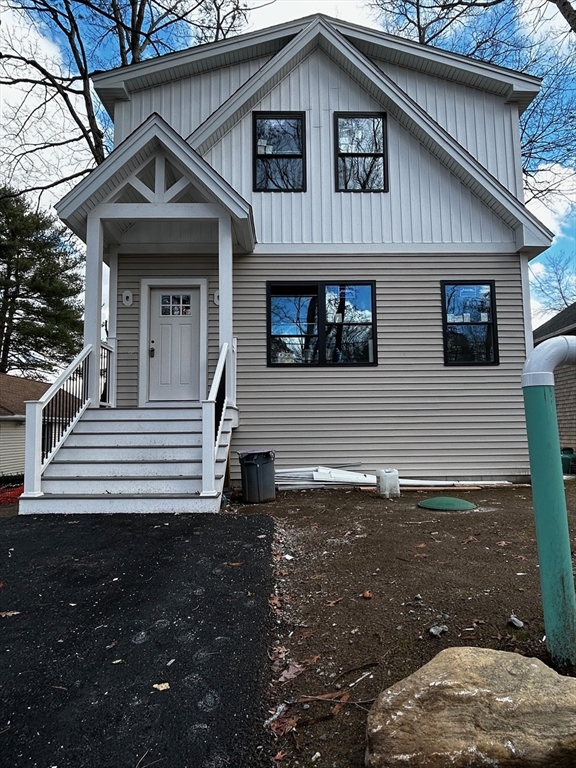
(225, 279)
(93, 308)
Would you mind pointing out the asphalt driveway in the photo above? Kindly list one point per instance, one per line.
(133, 640)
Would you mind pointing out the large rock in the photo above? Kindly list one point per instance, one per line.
(472, 707)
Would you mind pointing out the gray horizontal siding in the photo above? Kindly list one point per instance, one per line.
(12, 435)
(410, 412)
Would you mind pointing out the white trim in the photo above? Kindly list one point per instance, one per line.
(146, 284)
(526, 306)
(385, 249)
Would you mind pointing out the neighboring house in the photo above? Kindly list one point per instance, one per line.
(563, 324)
(14, 391)
(338, 214)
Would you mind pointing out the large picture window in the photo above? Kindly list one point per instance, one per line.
(360, 152)
(469, 319)
(327, 323)
(279, 152)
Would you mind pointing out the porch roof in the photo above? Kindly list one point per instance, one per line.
(128, 175)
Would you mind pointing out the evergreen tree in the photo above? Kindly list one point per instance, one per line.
(40, 281)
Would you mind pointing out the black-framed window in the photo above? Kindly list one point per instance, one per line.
(469, 321)
(321, 323)
(360, 142)
(279, 152)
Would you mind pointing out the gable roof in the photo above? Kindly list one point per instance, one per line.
(117, 84)
(349, 45)
(15, 391)
(152, 136)
(532, 237)
(562, 323)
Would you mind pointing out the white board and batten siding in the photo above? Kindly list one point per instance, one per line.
(411, 411)
(481, 122)
(131, 269)
(184, 103)
(425, 202)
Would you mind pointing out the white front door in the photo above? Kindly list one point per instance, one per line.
(174, 344)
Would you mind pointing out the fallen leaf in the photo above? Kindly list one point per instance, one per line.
(306, 633)
(279, 756)
(9, 613)
(318, 576)
(2, 584)
(311, 660)
(469, 539)
(161, 686)
(234, 565)
(278, 653)
(420, 546)
(337, 708)
(289, 674)
(283, 725)
(332, 603)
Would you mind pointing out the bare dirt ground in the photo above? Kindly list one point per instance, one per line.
(361, 580)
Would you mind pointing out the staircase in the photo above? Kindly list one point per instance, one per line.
(132, 460)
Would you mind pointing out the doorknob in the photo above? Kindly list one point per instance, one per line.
(152, 351)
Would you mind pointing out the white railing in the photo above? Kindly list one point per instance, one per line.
(50, 419)
(107, 378)
(222, 394)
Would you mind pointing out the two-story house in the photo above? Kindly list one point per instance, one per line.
(317, 243)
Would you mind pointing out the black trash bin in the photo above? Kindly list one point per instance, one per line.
(257, 468)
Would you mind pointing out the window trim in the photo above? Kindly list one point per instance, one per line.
(491, 324)
(277, 115)
(383, 154)
(320, 286)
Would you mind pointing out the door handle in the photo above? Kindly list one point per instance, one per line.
(152, 351)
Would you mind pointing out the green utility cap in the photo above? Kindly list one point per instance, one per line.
(446, 504)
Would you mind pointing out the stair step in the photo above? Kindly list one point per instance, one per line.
(114, 504)
(83, 453)
(149, 469)
(106, 440)
(137, 414)
(87, 426)
(123, 485)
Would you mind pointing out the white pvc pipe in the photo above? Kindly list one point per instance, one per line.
(539, 368)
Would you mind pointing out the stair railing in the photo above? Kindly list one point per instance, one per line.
(107, 379)
(213, 414)
(50, 419)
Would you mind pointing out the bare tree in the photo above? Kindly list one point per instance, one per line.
(554, 284)
(500, 33)
(48, 74)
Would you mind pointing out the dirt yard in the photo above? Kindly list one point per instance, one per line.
(361, 581)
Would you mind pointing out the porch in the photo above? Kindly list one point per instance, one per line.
(82, 459)
(166, 448)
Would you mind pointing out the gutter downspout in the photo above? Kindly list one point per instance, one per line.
(550, 513)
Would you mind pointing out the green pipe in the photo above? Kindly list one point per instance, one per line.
(550, 513)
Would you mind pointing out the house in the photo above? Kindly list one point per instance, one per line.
(318, 244)
(563, 324)
(14, 391)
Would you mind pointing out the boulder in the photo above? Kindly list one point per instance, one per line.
(472, 707)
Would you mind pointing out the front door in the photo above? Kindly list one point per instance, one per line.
(174, 344)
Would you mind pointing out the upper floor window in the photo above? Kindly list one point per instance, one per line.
(323, 323)
(360, 152)
(469, 321)
(279, 159)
